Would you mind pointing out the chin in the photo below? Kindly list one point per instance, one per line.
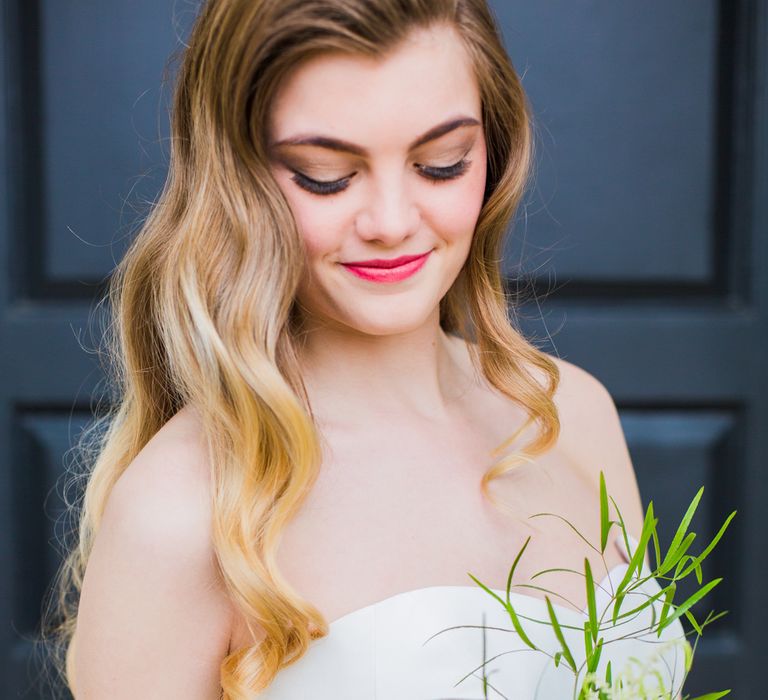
(391, 322)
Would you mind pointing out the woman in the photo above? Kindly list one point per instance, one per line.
(317, 374)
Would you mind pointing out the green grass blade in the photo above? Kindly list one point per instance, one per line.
(605, 522)
(697, 560)
(679, 567)
(712, 617)
(636, 562)
(511, 611)
(694, 622)
(560, 638)
(570, 525)
(621, 524)
(595, 658)
(673, 557)
(486, 589)
(683, 527)
(618, 599)
(591, 604)
(514, 565)
(553, 570)
(588, 647)
(656, 549)
(648, 601)
(518, 627)
(695, 598)
(669, 595)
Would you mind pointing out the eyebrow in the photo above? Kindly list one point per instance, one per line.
(345, 146)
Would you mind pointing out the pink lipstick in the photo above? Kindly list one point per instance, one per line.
(381, 270)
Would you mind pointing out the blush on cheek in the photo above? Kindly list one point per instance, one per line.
(315, 243)
(460, 210)
(318, 228)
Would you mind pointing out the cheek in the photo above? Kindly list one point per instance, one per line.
(319, 225)
(457, 208)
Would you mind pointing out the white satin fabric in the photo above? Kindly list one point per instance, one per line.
(388, 651)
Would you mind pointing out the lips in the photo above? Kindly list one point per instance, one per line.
(392, 270)
(379, 262)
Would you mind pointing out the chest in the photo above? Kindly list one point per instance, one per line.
(401, 508)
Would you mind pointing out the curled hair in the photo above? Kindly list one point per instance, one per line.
(204, 312)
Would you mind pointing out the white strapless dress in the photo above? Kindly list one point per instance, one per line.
(388, 650)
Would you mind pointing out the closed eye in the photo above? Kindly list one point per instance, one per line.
(436, 175)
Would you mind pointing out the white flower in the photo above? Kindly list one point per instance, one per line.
(638, 680)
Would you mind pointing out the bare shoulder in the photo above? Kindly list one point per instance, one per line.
(591, 431)
(171, 473)
(165, 491)
(151, 584)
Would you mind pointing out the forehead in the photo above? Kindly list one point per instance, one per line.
(423, 81)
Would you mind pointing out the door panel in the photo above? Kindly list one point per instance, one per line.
(640, 255)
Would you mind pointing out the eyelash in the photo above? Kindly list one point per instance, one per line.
(436, 175)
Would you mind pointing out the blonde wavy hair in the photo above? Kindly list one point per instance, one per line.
(203, 307)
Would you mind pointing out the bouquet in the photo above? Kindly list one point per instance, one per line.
(574, 669)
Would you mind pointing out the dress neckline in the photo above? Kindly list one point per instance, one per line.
(523, 598)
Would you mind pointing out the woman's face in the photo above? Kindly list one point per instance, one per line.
(380, 160)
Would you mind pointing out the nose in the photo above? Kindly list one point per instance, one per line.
(390, 214)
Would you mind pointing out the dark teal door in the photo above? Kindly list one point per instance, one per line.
(644, 236)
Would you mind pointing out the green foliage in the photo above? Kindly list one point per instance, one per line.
(640, 681)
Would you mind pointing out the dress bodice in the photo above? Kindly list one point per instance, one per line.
(421, 643)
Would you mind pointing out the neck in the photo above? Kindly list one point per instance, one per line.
(420, 373)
